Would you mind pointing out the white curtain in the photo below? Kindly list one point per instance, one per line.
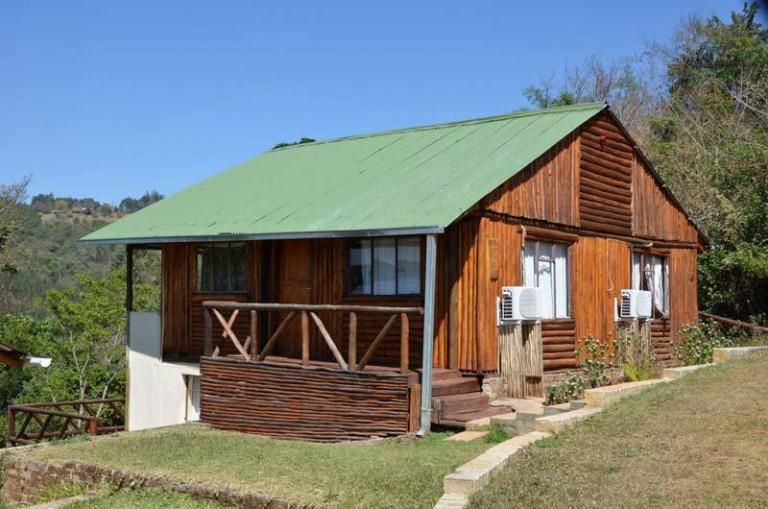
(529, 264)
(384, 253)
(560, 254)
(658, 284)
(408, 266)
(636, 272)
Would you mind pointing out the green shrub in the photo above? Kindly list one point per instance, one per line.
(567, 391)
(696, 342)
(496, 434)
(634, 353)
(595, 363)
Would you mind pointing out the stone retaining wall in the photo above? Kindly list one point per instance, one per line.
(25, 480)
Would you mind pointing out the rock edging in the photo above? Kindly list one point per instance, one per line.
(26, 479)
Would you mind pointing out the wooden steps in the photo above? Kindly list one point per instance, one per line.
(458, 399)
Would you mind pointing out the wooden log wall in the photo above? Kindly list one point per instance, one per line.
(654, 215)
(293, 402)
(663, 346)
(605, 183)
(600, 269)
(559, 344)
(548, 189)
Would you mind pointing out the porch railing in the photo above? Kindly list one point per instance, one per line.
(307, 313)
(61, 419)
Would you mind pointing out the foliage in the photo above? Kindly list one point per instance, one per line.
(130, 205)
(596, 363)
(570, 389)
(697, 342)
(699, 108)
(496, 434)
(11, 197)
(634, 354)
(300, 142)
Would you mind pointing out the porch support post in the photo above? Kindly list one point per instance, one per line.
(128, 289)
(430, 274)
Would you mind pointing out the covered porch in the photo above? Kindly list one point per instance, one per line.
(321, 363)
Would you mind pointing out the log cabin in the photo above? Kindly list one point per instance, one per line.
(350, 288)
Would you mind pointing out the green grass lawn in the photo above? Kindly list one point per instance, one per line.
(698, 442)
(144, 499)
(384, 474)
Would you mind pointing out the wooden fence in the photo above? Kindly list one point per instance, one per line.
(249, 348)
(45, 421)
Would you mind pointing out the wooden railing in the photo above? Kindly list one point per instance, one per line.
(757, 330)
(249, 348)
(44, 421)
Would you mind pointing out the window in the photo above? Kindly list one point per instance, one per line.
(221, 267)
(385, 266)
(651, 273)
(545, 265)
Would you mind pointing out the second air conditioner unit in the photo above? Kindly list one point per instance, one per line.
(520, 303)
(635, 304)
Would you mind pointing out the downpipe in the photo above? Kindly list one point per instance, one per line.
(429, 335)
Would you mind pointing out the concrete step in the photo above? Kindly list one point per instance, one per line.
(604, 396)
(475, 421)
(450, 386)
(467, 436)
(558, 422)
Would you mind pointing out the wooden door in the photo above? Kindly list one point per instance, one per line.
(294, 286)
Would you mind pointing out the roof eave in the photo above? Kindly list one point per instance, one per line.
(382, 232)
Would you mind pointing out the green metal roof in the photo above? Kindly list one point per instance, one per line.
(416, 180)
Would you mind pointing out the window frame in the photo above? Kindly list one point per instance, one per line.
(656, 314)
(538, 258)
(230, 278)
(348, 293)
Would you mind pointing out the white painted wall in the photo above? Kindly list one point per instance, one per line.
(157, 391)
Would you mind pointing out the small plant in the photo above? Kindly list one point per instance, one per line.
(595, 363)
(634, 354)
(697, 342)
(564, 392)
(496, 434)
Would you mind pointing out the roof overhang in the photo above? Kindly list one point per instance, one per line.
(226, 237)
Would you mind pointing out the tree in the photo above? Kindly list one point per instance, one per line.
(11, 197)
(300, 142)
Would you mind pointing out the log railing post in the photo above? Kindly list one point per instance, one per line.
(11, 416)
(254, 334)
(352, 340)
(304, 338)
(93, 427)
(404, 353)
(208, 338)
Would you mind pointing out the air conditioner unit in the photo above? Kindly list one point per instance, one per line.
(635, 304)
(521, 303)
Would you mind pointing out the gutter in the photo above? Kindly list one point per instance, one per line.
(429, 335)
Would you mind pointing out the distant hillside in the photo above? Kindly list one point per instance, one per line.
(44, 247)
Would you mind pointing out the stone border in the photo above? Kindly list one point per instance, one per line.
(476, 473)
(721, 355)
(26, 479)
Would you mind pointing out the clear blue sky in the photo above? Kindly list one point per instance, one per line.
(109, 99)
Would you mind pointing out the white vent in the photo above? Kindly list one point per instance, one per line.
(521, 303)
(635, 304)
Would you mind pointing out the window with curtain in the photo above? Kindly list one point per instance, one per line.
(651, 273)
(545, 265)
(385, 266)
(221, 267)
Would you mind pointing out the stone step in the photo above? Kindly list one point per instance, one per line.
(452, 501)
(467, 436)
(558, 422)
(604, 396)
(680, 372)
(452, 386)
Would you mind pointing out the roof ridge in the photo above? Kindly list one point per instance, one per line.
(455, 123)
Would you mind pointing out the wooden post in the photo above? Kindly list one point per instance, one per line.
(93, 427)
(254, 334)
(304, 338)
(11, 423)
(404, 353)
(208, 338)
(352, 340)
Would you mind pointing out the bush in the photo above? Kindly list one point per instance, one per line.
(595, 363)
(634, 354)
(696, 343)
(567, 391)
